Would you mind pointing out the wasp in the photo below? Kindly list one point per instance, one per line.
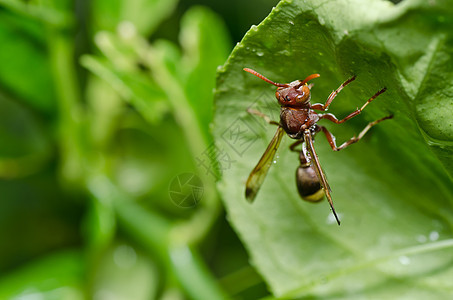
(299, 120)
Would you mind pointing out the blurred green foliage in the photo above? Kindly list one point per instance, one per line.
(102, 104)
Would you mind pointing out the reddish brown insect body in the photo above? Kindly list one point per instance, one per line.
(299, 120)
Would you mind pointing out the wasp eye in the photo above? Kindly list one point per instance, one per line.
(300, 98)
(287, 98)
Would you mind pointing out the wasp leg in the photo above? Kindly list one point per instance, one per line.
(324, 107)
(332, 118)
(293, 146)
(261, 115)
(331, 138)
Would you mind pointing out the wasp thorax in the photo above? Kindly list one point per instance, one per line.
(296, 94)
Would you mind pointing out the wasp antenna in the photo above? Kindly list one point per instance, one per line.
(312, 76)
(264, 78)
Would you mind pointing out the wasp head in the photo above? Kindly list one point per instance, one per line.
(294, 94)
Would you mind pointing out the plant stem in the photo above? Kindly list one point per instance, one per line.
(61, 53)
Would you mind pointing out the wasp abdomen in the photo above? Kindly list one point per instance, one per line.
(308, 184)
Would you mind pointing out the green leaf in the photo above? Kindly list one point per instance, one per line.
(25, 148)
(127, 274)
(133, 86)
(59, 276)
(146, 15)
(38, 12)
(206, 44)
(393, 190)
(188, 80)
(25, 71)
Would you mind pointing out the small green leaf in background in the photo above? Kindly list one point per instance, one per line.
(144, 14)
(205, 46)
(393, 190)
(25, 72)
(55, 277)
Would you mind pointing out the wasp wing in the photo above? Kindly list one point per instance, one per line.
(258, 174)
(322, 177)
